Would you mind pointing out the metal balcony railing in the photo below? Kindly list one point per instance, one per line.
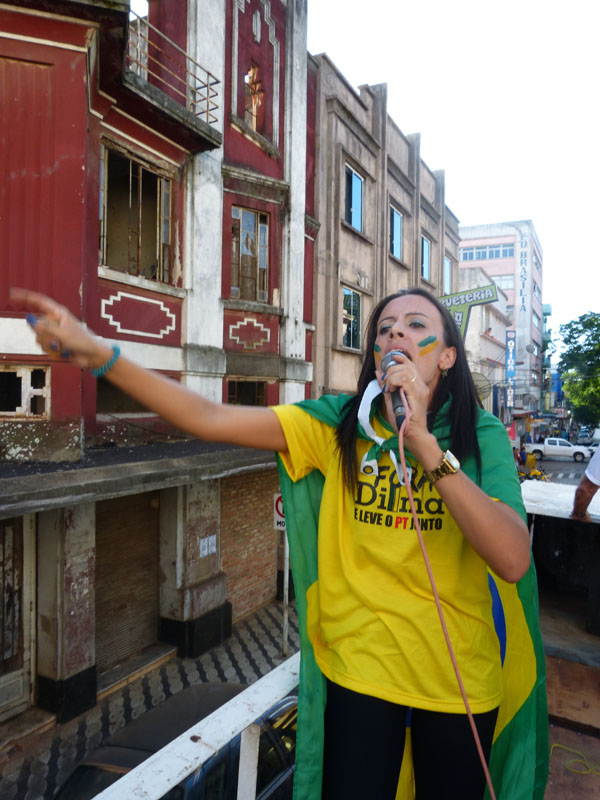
(185, 754)
(157, 59)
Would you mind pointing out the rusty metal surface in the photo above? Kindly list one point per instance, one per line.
(154, 57)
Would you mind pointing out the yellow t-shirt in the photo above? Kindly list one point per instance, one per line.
(372, 619)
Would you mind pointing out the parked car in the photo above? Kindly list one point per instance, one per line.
(557, 448)
(217, 780)
(593, 447)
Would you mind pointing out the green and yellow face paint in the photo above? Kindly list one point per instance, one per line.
(377, 354)
(427, 345)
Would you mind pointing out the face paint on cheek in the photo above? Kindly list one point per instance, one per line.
(427, 345)
(377, 354)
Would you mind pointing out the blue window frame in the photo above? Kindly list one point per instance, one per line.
(395, 232)
(354, 198)
(425, 258)
(447, 288)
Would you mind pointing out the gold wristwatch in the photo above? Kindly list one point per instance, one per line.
(450, 464)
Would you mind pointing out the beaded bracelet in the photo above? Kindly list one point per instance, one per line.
(100, 371)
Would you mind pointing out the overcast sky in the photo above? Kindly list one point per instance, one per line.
(505, 96)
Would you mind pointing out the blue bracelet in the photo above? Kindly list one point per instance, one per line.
(100, 371)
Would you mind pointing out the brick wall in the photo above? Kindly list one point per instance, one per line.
(248, 540)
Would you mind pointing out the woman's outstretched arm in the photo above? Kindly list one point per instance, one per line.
(59, 332)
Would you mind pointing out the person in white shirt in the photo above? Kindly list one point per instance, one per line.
(586, 490)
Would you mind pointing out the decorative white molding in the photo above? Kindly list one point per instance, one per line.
(115, 298)
(245, 344)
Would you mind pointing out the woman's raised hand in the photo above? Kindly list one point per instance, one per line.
(58, 332)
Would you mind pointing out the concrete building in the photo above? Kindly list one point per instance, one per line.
(549, 399)
(154, 182)
(384, 222)
(511, 255)
(485, 342)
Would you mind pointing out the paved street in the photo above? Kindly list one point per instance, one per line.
(253, 650)
(563, 471)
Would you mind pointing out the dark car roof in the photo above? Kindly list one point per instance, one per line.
(156, 728)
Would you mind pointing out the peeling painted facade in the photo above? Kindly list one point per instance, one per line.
(123, 545)
(44, 440)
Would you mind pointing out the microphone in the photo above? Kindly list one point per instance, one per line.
(397, 404)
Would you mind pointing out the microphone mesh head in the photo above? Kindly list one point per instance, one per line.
(386, 362)
(389, 359)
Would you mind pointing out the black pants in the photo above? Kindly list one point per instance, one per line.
(364, 742)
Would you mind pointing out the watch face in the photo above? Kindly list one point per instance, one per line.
(452, 460)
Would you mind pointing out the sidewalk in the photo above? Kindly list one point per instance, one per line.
(255, 647)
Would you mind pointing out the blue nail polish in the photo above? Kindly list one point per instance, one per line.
(65, 353)
(31, 319)
(53, 346)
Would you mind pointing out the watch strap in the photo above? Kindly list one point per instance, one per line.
(445, 468)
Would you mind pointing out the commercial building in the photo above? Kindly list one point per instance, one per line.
(510, 253)
(485, 342)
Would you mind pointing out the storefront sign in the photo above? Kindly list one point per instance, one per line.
(511, 371)
(461, 303)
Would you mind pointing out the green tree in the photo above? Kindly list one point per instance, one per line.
(580, 367)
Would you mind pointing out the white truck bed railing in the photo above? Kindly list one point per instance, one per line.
(551, 499)
(185, 754)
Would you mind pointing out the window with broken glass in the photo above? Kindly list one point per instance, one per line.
(24, 391)
(253, 98)
(135, 218)
(249, 254)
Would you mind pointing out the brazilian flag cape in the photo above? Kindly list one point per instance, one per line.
(519, 759)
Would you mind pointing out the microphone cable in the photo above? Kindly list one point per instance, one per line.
(437, 598)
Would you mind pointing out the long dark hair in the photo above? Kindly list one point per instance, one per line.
(458, 383)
